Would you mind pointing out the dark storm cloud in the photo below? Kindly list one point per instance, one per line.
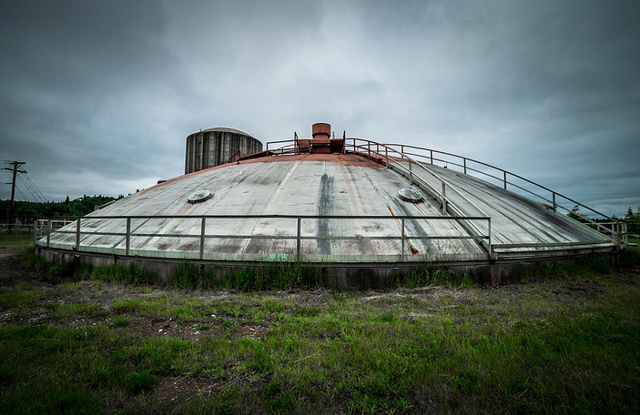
(98, 96)
(74, 85)
(547, 89)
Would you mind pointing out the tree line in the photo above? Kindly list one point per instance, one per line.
(633, 221)
(27, 212)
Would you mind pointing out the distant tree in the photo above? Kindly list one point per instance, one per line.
(27, 211)
(633, 222)
(575, 214)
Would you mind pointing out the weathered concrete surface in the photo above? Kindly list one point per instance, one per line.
(326, 184)
(514, 219)
(337, 275)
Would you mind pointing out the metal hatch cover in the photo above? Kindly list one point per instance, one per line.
(410, 195)
(199, 196)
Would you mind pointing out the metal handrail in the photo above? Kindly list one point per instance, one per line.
(234, 157)
(446, 205)
(615, 235)
(276, 142)
(466, 169)
(44, 238)
(504, 179)
(504, 174)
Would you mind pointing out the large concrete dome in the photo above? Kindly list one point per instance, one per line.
(352, 203)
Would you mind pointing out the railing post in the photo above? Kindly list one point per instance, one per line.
(48, 232)
(402, 239)
(78, 235)
(505, 179)
(128, 238)
(203, 227)
(625, 232)
(369, 148)
(298, 240)
(386, 153)
(431, 155)
(402, 150)
(464, 162)
(555, 206)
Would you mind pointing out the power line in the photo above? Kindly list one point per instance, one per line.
(44, 199)
(26, 200)
(22, 194)
(33, 197)
(29, 204)
(28, 186)
(32, 189)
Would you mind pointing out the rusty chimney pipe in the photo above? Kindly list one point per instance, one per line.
(321, 130)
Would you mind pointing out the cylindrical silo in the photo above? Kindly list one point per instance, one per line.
(215, 146)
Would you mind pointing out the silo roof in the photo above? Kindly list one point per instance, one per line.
(224, 130)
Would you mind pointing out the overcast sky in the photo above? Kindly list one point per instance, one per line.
(98, 96)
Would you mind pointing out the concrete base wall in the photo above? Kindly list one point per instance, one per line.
(345, 276)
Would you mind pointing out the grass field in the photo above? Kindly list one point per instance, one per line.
(566, 339)
(19, 237)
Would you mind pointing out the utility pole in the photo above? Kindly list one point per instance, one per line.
(14, 170)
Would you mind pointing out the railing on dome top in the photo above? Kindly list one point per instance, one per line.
(395, 155)
(290, 149)
(81, 226)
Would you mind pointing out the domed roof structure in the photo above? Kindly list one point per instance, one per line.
(225, 130)
(346, 202)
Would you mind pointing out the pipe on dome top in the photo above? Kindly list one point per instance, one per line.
(321, 130)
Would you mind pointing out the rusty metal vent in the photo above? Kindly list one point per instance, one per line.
(199, 196)
(410, 195)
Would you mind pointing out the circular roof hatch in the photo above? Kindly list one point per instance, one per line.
(410, 195)
(199, 196)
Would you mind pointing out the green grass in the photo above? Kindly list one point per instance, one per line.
(431, 276)
(631, 255)
(273, 275)
(565, 341)
(18, 300)
(18, 237)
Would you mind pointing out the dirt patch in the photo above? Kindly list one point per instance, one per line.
(170, 328)
(172, 390)
(254, 332)
(580, 289)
